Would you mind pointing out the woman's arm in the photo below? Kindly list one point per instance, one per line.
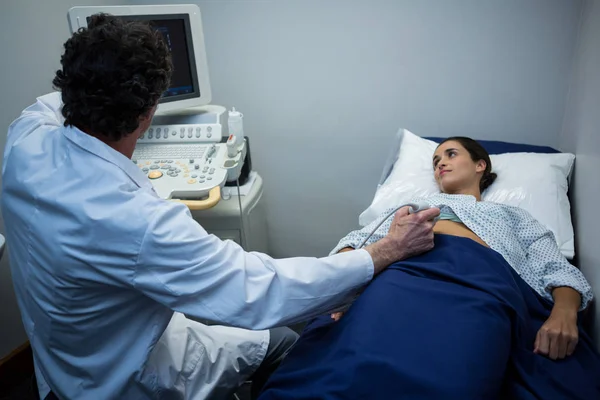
(352, 240)
(566, 299)
(549, 273)
(544, 267)
(559, 335)
(552, 271)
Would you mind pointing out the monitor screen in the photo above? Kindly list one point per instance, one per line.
(177, 34)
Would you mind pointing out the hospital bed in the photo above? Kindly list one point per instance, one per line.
(372, 353)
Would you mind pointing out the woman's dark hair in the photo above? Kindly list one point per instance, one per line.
(477, 153)
(113, 72)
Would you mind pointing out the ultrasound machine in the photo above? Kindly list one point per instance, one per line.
(186, 152)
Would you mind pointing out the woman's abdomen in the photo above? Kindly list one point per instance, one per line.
(456, 229)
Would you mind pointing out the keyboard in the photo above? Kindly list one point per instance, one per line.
(169, 151)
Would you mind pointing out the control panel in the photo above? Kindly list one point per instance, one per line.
(187, 161)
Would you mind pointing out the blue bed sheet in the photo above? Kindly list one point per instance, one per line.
(454, 323)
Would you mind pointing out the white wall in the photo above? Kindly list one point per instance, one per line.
(325, 84)
(581, 135)
(32, 32)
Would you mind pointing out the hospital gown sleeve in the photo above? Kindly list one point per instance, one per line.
(355, 238)
(190, 271)
(546, 268)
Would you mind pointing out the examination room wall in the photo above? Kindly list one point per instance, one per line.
(324, 85)
(581, 135)
(32, 33)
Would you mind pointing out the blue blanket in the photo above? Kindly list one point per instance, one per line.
(454, 323)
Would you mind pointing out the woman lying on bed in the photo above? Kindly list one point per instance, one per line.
(462, 169)
(485, 314)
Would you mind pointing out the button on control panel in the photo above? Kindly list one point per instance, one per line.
(199, 133)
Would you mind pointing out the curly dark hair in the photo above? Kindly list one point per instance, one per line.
(113, 72)
(477, 152)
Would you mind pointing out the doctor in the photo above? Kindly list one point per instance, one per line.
(104, 270)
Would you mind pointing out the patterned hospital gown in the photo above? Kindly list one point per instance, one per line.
(528, 247)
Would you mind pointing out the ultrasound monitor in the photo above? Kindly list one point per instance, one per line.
(181, 26)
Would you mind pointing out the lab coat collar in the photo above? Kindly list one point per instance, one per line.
(104, 151)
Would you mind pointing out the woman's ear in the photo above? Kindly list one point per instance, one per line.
(480, 166)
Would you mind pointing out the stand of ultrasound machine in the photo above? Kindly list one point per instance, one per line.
(185, 152)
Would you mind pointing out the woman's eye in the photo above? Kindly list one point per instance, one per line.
(452, 154)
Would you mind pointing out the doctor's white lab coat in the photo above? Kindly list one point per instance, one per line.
(100, 264)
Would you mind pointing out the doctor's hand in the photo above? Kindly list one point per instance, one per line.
(409, 235)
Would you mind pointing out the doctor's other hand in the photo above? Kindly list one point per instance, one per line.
(409, 235)
(559, 335)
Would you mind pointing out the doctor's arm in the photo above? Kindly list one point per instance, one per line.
(46, 111)
(197, 274)
(47, 107)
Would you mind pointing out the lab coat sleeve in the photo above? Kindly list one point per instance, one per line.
(46, 111)
(183, 267)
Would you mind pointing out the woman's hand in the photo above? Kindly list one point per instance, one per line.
(558, 336)
(336, 316)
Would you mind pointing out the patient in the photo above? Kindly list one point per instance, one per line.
(490, 312)
(462, 169)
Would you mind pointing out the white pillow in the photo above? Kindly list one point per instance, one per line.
(535, 182)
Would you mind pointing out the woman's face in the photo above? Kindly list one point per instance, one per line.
(454, 170)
